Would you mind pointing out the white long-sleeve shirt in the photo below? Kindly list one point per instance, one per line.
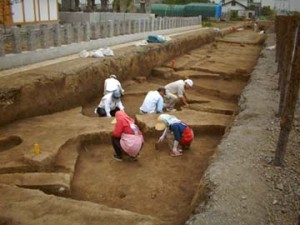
(111, 84)
(108, 102)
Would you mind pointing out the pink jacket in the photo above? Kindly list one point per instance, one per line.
(131, 143)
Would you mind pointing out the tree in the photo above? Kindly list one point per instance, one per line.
(104, 5)
(145, 6)
(123, 5)
(91, 5)
(77, 8)
(266, 11)
(70, 5)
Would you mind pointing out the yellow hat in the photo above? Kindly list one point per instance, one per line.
(160, 125)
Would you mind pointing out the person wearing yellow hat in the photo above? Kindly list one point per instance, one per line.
(183, 135)
(176, 91)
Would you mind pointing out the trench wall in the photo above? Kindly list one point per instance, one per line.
(73, 83)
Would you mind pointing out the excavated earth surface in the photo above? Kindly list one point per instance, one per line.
(75, 180)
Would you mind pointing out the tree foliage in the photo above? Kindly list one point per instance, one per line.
(122, 5)
(266, 11)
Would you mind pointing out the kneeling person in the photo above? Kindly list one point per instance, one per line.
(110, 104)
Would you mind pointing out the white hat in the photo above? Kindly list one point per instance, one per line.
(189, 82)
(113, 76)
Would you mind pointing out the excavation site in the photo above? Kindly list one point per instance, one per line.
(73, 178)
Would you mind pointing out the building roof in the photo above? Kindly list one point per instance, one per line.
(236, 2)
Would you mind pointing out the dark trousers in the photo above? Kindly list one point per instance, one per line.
(101, 112)
(117, 146)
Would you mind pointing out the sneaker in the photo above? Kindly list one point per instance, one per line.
(133, 158)
(118, 158)
(174, 154)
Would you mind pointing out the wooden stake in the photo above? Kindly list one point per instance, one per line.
(291, 97)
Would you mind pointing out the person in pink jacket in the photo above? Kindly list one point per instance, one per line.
(126, 137)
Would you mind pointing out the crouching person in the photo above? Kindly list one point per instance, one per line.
(182, 134)
(126, 137)
(110, 104)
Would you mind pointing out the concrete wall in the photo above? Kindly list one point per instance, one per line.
(39, 40)
(76, 38)
(96, 17)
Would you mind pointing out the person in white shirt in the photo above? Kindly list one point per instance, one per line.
(153, 102)
(176, 91)
(111, 84)
(110, 104)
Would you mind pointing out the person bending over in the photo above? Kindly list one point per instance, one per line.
(111, 84)
(182, 134)
(110, 104)
(176, 91)
(126, 137)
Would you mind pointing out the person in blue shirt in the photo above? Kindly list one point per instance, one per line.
(183, 135)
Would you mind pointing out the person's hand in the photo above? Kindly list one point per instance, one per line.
(161, 139)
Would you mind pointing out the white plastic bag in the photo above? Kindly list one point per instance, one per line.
(97, 54)
(84, 54)
(108, 52)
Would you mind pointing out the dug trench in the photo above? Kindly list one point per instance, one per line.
(75, 163)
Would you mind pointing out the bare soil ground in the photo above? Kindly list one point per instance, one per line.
(76, 154)
(246, 188)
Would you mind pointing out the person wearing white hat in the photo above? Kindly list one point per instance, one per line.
(182, 134)
(111, 84)
(176, 91)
